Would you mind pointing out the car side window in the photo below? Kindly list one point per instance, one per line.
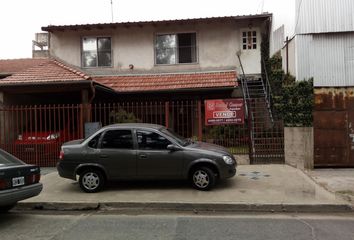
(93, 143)
(148, 140)
(117, 139)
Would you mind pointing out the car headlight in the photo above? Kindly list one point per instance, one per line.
(228, 160)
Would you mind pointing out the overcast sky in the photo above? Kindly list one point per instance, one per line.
(20, 19)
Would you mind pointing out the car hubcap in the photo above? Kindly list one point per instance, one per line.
(201, 179)
(91, 180)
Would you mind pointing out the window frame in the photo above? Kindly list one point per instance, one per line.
(252, 38)
(116, 129)
(177, 51)
(153, 131)
(82, 50)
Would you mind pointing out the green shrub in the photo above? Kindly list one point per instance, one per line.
(122, 116)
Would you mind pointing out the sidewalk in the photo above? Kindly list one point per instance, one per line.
(339, 181)
(275, 188)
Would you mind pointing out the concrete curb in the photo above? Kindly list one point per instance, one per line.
(183, 207)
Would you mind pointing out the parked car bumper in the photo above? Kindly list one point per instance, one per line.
(65, 171)
(11, 196)
(228, 172)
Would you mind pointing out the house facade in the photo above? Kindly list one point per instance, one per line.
(192, 45)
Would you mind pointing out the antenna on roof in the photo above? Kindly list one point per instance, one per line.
(112, 9)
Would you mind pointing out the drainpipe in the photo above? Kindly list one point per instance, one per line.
(93, 89)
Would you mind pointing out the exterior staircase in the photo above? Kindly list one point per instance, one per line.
(266, 134)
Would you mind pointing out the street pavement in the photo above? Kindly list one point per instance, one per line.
(274, 188)
(103, 225)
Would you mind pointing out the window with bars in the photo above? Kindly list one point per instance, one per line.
(249, 40)
(175, 48)
(96, 52)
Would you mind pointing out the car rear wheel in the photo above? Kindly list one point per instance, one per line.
(203, 178)
(5, 209)
(91, 180)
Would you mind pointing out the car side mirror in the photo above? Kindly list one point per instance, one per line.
(173, 147)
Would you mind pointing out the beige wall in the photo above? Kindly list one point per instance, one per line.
(299, 147)
(217, 45)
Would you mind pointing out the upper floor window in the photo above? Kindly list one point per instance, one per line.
(176, 48)
(249, 40)
(96, 52)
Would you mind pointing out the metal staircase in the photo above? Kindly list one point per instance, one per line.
(267, 135)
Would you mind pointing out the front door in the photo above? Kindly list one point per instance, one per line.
(154, 160)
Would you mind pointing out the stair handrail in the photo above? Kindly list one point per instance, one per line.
(244, 90)
(246, 97)
(268, 89)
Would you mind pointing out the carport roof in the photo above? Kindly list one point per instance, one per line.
(48, 71)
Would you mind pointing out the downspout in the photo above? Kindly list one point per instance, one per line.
(93, 90)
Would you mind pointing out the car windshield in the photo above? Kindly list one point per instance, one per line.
(181, 140)
(8, 159)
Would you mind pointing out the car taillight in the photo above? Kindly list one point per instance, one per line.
(33, 178)
(61, 155)
(3, 184)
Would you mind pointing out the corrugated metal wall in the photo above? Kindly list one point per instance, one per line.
(328, 58)
(319, 16)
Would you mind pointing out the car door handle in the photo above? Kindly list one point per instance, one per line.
(142, 156)
(103, 156)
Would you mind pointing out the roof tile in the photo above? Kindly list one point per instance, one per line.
(12, 66)
(137, 83)
(49, 70)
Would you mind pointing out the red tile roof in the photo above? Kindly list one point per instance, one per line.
(11, 66)
(158, 82)
(49, 71)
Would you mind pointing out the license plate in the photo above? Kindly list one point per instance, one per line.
(18, 181)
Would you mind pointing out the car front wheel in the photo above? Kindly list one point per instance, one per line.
(203, 178)
(91, 180)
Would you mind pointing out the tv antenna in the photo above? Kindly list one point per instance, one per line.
(112, 9)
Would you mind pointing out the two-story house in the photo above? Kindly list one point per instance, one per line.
(161, 70)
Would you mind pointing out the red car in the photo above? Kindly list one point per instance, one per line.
(40, 147)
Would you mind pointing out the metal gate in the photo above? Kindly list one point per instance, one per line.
(334, 127)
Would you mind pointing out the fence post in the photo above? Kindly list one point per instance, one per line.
(167, 114)
(200, 123)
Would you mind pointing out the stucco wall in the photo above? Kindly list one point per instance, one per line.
(299, 147)
(217, 44)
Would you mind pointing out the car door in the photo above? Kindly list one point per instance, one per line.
(117, 153)
(154, 160)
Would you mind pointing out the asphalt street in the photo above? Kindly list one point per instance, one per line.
(101, 225)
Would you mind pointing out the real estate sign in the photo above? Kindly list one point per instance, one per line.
(224, 111)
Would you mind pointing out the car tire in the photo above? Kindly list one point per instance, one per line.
(5, 209)
(91, 180)
(203, 178)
